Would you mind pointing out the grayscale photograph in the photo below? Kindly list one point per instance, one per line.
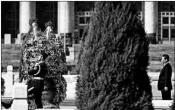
(87, 55)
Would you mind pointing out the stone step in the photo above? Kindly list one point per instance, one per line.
(10, 57)
(162, 104)
(155, 62)
(11, 46)
(154, 68)
(155, 75)
(68, 103)
(155, 58)
(13, 51)
(14, 57)
(10, 51)
(14, 63)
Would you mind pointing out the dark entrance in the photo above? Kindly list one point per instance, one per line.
(9, 19)
(46, 11)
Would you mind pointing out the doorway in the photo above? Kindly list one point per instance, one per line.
(46, 11)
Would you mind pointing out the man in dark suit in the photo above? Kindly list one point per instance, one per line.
(164, 82)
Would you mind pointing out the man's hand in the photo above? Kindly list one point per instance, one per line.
(166, 88)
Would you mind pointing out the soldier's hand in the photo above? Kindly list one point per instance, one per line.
(166, 88)
(35, 67)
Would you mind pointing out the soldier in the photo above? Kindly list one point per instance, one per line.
(27, 38)
(36, 85)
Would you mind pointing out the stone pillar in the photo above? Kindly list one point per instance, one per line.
(27, 11)
(9, 81)
(19, 97)
(66, 21)
(18, 39)
(7, 38)
(151, 20)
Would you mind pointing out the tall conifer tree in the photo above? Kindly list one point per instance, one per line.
(113, 61)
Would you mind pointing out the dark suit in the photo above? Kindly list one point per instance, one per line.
(165, 81)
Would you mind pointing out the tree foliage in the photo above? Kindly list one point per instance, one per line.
(113, 61)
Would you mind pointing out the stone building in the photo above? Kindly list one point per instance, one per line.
(70, 18)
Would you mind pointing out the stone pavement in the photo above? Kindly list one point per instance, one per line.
(68, 108)
(162, 104)
(158, 105)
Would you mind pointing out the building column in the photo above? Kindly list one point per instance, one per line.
(66, 21)
(151, 20)
(27, 11)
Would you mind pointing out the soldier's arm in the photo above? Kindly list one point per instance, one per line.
(33, 71)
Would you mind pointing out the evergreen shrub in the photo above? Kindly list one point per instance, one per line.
(113, 60)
